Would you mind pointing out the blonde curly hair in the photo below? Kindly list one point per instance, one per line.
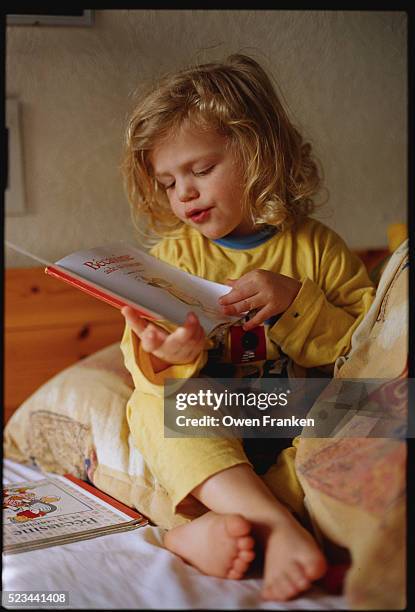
(237, 99)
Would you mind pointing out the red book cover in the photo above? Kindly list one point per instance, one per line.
(106, 498)
(97, 292)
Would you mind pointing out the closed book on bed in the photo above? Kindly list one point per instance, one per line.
(59, 510)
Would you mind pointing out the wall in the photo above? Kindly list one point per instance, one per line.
(343, 75)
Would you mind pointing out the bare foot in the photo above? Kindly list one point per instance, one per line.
(292, 561)
(216, 544)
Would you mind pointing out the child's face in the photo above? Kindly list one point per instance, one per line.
(203, 182)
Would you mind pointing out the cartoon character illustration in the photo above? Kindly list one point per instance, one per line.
(24, 504)
(38, 508)
(14, 498)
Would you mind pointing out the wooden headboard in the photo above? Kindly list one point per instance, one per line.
(49, 325)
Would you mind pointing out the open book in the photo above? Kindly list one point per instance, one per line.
(58, 510)
(123, 275)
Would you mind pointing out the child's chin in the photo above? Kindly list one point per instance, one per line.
(211, 230)
(213, 234)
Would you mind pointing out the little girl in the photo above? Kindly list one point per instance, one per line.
(221, 174)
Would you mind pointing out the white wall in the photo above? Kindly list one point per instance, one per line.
(343, 75)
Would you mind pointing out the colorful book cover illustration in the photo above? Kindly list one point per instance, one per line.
(55, 511)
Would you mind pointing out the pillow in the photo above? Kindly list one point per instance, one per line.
(76, 423)
(397, 234)
(355, 485)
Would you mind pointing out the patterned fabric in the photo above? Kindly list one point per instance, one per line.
(354, 485)
(76, 423)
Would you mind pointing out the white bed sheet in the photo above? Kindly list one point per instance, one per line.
(133, 570)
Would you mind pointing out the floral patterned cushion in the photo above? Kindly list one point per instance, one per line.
(354, 484)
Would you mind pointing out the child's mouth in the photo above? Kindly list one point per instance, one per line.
(200, 216)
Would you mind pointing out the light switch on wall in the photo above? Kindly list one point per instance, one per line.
(15, 191)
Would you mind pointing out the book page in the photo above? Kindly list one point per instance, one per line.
(158, 287)
(51, 508)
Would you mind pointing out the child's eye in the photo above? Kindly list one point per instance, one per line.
(165, 187)
(203, 172)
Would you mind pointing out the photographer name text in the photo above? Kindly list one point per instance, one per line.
(265, 420)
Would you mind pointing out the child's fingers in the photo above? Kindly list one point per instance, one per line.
(237, 294)
(190, 330)
(134, 320)
(191, 319)
(152, 338)
(198, 337)
(261, 316)
(187, 339)
(191, 325)
(244, 305)
(151, 335)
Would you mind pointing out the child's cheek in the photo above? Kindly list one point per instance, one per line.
(176, 209)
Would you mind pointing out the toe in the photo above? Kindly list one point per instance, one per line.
(234, 575)
(247, 555)
(290, 588)
(237, 526)
(246, 543)
(280, 590)
(298, 577)
(240, 566)
(315, 569)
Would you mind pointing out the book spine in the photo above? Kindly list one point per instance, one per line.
(106, 498)
(106, 297)
(11, 549)
(91, 289)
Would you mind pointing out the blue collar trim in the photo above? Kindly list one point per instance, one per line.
(247, 242)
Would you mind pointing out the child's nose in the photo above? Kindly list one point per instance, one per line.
(187, 192)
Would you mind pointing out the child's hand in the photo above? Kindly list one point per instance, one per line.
(179, 347)
(270, 292)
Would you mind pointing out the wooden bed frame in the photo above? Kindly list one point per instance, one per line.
(50, 325)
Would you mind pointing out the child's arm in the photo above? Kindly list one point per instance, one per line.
(150, 372)
(317, 317)
(314, 331)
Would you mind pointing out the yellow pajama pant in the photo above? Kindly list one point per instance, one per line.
(181, 464)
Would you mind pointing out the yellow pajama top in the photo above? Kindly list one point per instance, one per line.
(314, 331)
(335, 295)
